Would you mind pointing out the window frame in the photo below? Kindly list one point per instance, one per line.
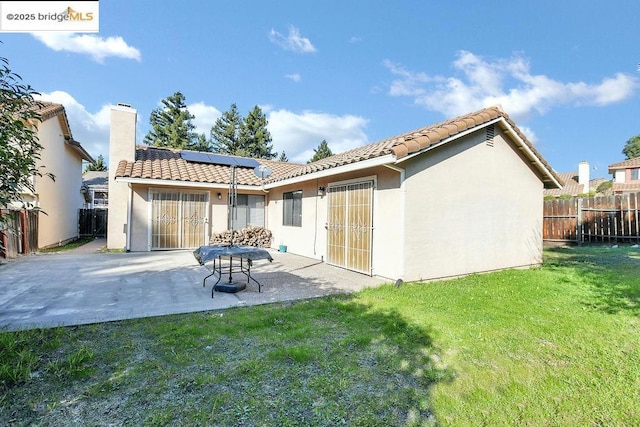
(247, 204)
(292, 208)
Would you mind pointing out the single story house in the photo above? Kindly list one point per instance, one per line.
(458, 197)
(59, 199)
(626, 176)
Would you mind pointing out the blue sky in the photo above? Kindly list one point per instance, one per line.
(353, 72)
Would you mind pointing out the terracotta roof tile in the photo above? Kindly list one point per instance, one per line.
(47, 110)
(629, 163)
(571, 186)
(619, 187)
(167, 164)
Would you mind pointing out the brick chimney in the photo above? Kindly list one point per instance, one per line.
(122, 146)
(583, 176)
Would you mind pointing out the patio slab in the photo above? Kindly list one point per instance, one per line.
(85, 286)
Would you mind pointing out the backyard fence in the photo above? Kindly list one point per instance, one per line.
(92, 222)
(20, 236)
(609, 219)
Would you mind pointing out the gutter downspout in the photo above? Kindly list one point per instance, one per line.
(403, 192)
(128, 237)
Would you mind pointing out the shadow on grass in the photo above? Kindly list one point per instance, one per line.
(613, 273)
(324, 361)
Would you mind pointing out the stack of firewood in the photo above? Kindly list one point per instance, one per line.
(249, 236)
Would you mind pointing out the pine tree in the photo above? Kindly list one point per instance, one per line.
(321, 152)
(254, 136)
(283, 157)
(225, 132)
(172, 125)
(98, 165)
(200, 144)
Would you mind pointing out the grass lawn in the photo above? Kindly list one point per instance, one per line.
(555, 345)
(71, 245)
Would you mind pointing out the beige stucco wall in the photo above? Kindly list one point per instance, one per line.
(310, 240)
(60, 199)
(122, 146)
(471, 208)
(141, 211)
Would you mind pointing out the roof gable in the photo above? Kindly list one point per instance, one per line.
(49, 110)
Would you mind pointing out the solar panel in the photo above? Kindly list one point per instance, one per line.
(218, 159)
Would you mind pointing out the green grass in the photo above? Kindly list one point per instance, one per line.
(71, 245)
(556, 345)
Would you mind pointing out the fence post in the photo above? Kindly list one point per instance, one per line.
(579, 213)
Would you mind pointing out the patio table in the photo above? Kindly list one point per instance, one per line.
(245, 254)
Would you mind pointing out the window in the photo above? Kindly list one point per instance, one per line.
(249, 211)
(292, 208)
(100, 199)
(635, 174)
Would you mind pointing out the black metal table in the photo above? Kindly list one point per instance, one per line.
(243, 253)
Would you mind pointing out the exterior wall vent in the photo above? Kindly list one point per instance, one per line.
(491, 133)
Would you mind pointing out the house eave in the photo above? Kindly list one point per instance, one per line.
(351, 167)
(190, 184)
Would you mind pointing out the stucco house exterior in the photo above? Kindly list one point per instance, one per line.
(59, 199)
(626, 176)
(458, 197)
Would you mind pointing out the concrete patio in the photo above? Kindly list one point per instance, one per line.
(86, 286)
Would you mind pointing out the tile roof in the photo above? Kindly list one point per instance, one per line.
(629, 163)
(95, 178)
(166, 164)
(571, 185)
(620, 187)
(47, 110)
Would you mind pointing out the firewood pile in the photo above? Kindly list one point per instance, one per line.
(249, 236)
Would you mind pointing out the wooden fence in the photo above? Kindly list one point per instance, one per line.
(21, 234)
(609, 219)
(92, 222)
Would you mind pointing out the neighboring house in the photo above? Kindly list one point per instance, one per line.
(459, 197)
(575, 183)
(626, 176)
(95, 189)
(59, 199)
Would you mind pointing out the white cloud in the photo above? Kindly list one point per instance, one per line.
(205, 117)
(299, 133)
(90, 129)
(295, 133)
(295, 77)
(293, 41)
(480, 83)
(98, 48)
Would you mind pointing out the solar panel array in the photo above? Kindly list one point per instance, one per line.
(218, 159)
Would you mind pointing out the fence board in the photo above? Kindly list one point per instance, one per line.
(592, 219)
(21, 234)
(92, 222)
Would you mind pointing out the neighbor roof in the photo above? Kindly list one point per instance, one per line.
(626, 164)
(166, 164)
(571, 185)
(95, 178)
